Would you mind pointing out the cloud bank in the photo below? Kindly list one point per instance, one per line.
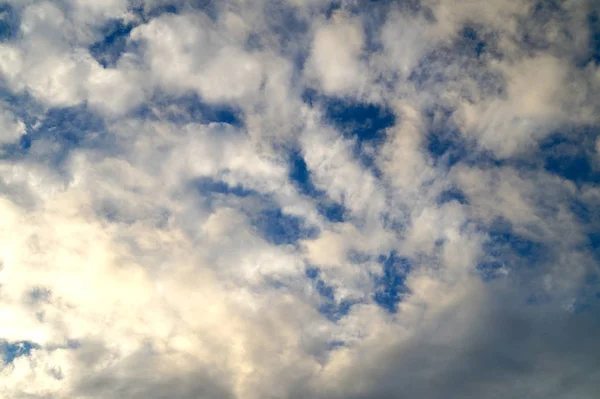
(299, 199)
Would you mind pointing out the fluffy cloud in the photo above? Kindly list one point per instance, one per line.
(335, 56)
(12, 128)
(299, 199)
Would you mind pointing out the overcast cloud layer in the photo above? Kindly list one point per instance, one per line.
(302, 199)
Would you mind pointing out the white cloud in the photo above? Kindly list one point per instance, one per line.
(537, 100)
(405, 41)
(114, 91)
(131, 258)
(11, 127)
(335, 56)
(187, 52)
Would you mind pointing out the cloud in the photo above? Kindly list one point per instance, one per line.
(335, 56)
(189, 52)
(299, 199)
(12, 128)
(474, 357)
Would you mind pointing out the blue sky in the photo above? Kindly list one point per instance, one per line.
(299, 199)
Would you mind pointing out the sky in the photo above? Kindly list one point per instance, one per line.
(299, 199)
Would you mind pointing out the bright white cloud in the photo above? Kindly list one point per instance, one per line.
(335, 56)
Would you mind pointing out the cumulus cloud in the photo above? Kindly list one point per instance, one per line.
(299, 199)
(12, 128)
(335, 56)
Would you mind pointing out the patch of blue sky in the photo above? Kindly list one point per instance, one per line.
(477, 43)
(569, 156)
(466, 52)
(70, 128)
(362, 7)
(286, 25)
(189, 108)
(22, 105)
(452, 194)
(472, 41)
(300, 176)
(505, 249)
(168, 8)
(335, 311)
(15, 150)
(61, 130)
(398, 220)
(502, 242)
(335, 344)
(365, 123)
(254, 42)
(213, 192)
(266, 216)
(546, 12)
(390, 285)
(587, 214)
(208, 184)
(332, 211)
(280, 228)
(113, 44)
(372, 14)
(12, 350)
(447, 146)
(593, 242)
(326, 291)
(362, 121)
(429, 71)
(330, 308)
(358, 257)
(541, 13)
(594, 37)
(209, 7)
(10, 22)
(312, 272)
(333, 7)
(491, 268)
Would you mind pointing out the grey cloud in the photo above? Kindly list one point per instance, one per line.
(144, 375)
(496, 348)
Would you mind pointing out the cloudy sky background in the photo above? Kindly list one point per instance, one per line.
(299, 199)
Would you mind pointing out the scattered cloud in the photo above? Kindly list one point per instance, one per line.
(299, 199)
